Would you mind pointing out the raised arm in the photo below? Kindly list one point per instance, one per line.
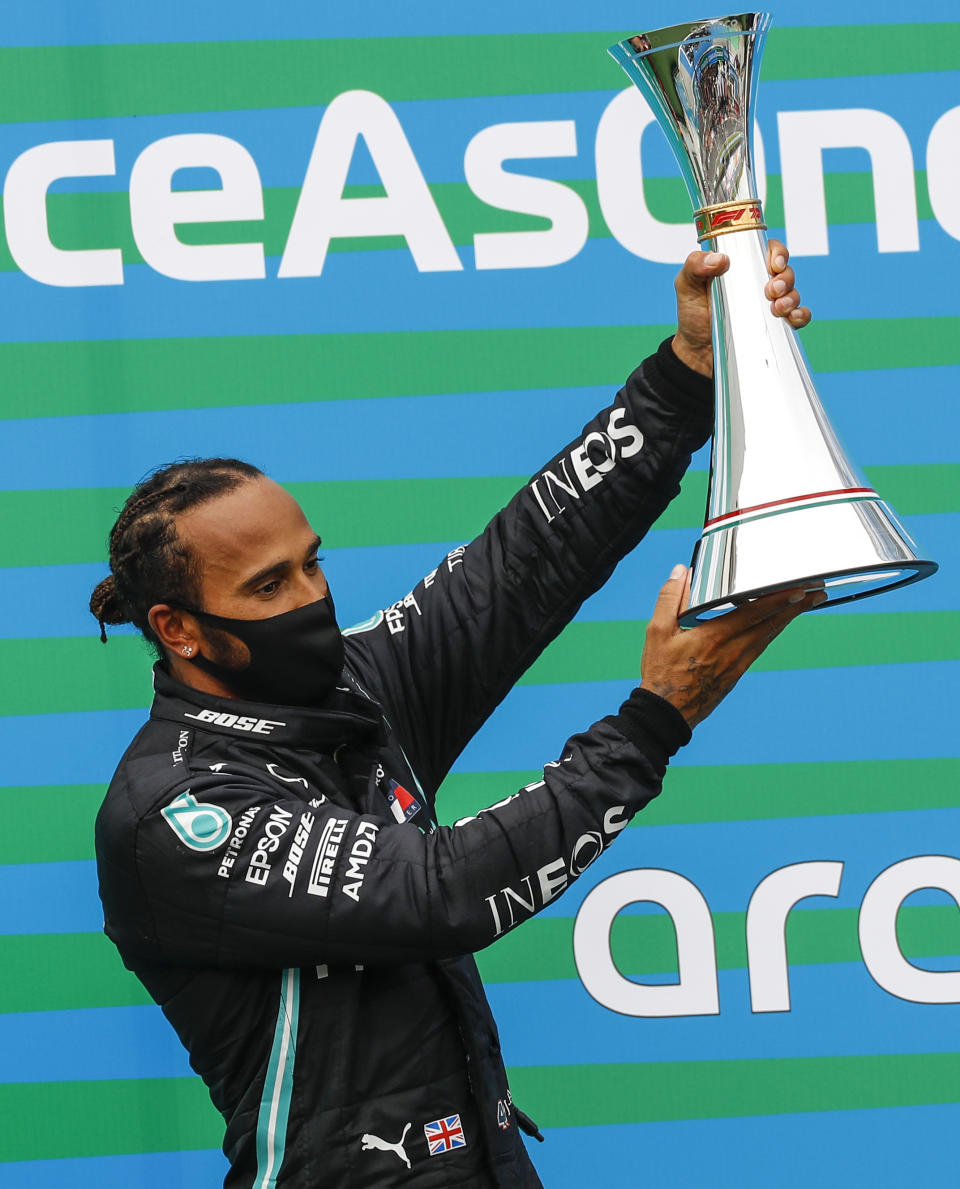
(444, 656)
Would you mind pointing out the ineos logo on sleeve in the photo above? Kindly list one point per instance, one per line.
(509, 906)
(590, 462)
(197, 824)
(257, 726)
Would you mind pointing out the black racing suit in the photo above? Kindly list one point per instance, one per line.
(274, 876)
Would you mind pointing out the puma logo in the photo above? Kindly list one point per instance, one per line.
(369, 1142)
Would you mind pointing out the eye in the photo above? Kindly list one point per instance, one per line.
(269, 588)
(311, 566)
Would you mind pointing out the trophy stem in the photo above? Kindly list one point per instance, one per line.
(785, 506)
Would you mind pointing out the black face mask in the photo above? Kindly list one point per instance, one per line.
(296, 658)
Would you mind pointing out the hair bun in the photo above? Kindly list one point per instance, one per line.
(105, 605)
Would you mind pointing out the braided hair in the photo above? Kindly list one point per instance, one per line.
(148, 561)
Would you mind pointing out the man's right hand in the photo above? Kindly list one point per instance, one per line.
(693, 342)
(695, 668)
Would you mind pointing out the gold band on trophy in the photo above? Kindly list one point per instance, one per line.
(724, 217)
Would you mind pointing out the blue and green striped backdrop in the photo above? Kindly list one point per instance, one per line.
(402, 404)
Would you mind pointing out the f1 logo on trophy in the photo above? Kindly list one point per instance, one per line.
(785, 507)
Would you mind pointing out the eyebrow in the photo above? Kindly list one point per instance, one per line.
(277, 566)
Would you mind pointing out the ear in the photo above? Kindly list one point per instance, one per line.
(176, 630)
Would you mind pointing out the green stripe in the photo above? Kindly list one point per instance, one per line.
(147, 375)
(82, 82)
(62, 817)
(166, 1114)
(597, 1095)
(61, 971)
(80, 674)
(153, 374)
(62, 674)
(84, 221)
(150, 375)
(739, 792)
(31, 975)
(746, 792)
(156, 1115)
(843, 51)
(918, 490)
(52, 1120)
(643, 945)
(39, 527)
(70, 525)
(610, 650)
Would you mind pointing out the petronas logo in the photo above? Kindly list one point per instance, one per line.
(198, 825)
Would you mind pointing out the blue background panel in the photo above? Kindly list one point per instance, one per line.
(898, 410)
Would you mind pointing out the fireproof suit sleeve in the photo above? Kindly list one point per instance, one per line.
(229, 874)
(442, 659)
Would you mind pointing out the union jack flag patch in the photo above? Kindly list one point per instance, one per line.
(444, 1135)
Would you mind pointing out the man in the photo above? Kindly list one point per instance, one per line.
(269, 863)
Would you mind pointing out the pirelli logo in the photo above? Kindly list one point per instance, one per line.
(328, 847)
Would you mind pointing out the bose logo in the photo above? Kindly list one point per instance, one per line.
(257, 726)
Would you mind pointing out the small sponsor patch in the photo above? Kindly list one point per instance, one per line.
(444, 1135)
(182, 744)
(403, 805)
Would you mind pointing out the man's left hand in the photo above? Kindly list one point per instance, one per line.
(693, 342)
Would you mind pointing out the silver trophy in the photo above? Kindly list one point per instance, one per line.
(785, 506)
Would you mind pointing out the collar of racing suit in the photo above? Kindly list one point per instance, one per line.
(346, 717)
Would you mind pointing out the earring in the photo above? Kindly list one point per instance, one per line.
(187, 651)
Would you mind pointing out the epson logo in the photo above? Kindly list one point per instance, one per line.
(256, 726)
(258, 869)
